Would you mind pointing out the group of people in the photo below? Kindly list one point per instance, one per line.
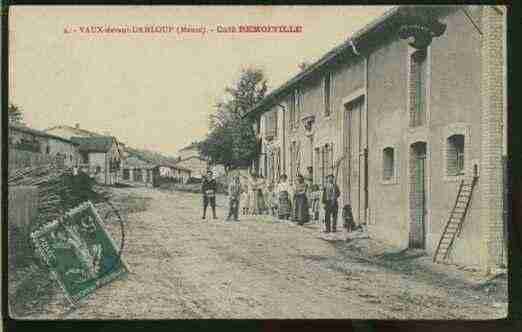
(299, 203)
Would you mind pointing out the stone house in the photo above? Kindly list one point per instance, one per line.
(22, 138)
(76, 131)
(173, 173)
(190, 158)
(101, 157)
(401, 123)
(136, 171)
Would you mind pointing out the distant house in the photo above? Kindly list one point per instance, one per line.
(101, 156)
(137, 171)
(171, 173)
(189, 157)
(68, 132)
(36, 142)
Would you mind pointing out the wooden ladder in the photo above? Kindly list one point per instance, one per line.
(455, 221)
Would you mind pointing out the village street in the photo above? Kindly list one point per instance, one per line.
(185, 267)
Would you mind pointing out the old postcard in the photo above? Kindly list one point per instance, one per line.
(265, 162)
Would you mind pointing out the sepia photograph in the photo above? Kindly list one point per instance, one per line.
(257, 162)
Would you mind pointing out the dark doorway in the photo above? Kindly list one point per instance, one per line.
(418, 209)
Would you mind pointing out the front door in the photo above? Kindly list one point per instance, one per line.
(355, 180)
(418, 196)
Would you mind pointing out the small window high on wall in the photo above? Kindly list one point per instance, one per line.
(388, 163)
(418, 88)
(327, 94)
(455, 155)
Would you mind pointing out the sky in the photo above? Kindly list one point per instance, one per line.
(156, 90)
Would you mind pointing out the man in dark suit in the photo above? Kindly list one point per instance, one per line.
(331, 193)
(208, 189)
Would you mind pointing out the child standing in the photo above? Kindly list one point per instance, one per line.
(315, 198)
(272, 200)
(245, 202)
(284, 199)
(234, 191)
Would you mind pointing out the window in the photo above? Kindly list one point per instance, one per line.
(331, 166)
(388, 162)
(294, 161)
(98, 169)
(295, 113)
(327, 94)
(326, 163)
(271, 124)
(85, 158)
(47, 149)
(418, 88)
(455, 155)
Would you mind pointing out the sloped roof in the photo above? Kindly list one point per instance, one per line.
(169, 165)
(191, 157)
(193, 145)
(78, 131)
(94, 144)
(40, 133)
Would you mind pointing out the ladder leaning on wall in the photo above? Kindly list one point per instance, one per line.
(456, 219)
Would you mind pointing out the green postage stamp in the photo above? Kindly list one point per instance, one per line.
(79, 252)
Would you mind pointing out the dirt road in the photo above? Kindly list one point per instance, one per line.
(185, 267)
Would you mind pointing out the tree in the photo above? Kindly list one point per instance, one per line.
(231, 140)
(15, 114)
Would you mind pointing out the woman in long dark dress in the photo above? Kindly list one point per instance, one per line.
(301, 208)
(260, 195)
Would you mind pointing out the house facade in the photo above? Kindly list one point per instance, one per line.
(68, 132)
(190, 158)
(173, 173)
(38, 142)
(400, 126)
(100, 157)
(137, 171)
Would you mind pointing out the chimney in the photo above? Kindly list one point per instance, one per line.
(77, 125)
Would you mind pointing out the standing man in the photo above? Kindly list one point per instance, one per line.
(234, 192)
(331, 193)
(208, 188)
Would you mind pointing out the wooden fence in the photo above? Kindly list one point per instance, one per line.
(19, 159)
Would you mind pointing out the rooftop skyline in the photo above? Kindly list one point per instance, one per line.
(156, 91)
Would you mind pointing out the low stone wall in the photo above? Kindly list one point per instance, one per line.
(23, 210)
(23, 206)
